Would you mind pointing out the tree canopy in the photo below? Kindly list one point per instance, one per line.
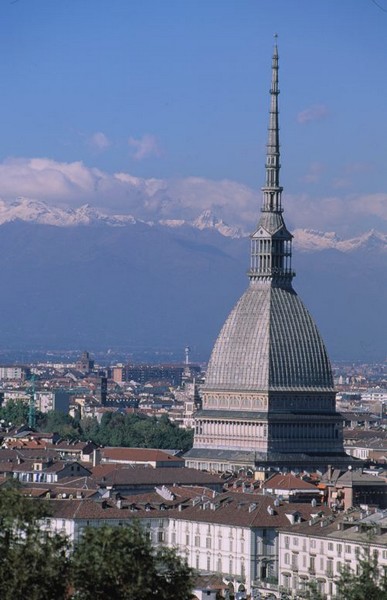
(34, 562)
(115, 429)
(120, 563)
(367, 583)
(136, 431)
(107, 562)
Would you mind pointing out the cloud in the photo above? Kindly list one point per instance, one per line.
(99, 141)
(373, 204)
(349, 173)
(73, 184)
(314, 173)
(144, 147)
(344, 214)
(317, 112)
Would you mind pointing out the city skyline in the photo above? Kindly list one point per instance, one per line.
(159, 110)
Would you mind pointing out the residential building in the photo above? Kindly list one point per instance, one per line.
(318, 550)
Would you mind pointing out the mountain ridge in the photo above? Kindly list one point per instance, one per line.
(104, 282)
(306, 240)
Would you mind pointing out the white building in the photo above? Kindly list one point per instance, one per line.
(231, 535)
(320, 549)
(45, 401)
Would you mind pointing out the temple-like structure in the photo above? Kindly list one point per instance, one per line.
(269, 398)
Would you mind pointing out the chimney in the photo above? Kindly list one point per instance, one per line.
(96, 457)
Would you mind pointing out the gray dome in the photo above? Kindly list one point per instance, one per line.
(269, 342)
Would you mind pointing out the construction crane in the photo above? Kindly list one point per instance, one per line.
(31, 404)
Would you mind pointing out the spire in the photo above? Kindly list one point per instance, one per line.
(272, 190)
(271, 243)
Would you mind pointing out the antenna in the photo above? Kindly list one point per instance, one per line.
(187, 350)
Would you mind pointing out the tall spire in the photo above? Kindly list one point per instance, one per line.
(272, 189)
(271, 243)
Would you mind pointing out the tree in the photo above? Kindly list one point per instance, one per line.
(120, 563)
(34, 563)
(67, 427)
(312, 592)
(136, 431)
(368, 583)
(15, 412)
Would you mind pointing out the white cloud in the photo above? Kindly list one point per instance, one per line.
(144, 147)
(314, 173)
(316, 112)
(74, 184)
(99, 141)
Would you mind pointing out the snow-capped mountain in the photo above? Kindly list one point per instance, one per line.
(311, 240)
(305, 240)
(80, 277)
(34, 211)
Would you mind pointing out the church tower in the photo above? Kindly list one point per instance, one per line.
(268, 398)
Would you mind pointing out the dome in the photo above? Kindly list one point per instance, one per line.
(269, 342)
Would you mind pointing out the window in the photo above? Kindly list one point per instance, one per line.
(286, 581)
(295, 541)
(312, 567)
(197, 561)
(208, 562)
(339, 549)
(187, 539)
(286, 539)
(208, 543)
(219, 567)
(302, 584)
(286, 558)
(173, 537)
(347, 549)
(160, 536)
(313, 544)
(330, 546)
(197, 540)
(329, 567)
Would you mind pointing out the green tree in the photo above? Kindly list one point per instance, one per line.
(120, 563)
(312, 592)
(55, 421)
(136, 431)
(34, 563)
(368, 584)
(15, 412)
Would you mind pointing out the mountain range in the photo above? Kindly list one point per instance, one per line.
(85, 279)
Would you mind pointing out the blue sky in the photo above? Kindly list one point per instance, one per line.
(172, 95)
